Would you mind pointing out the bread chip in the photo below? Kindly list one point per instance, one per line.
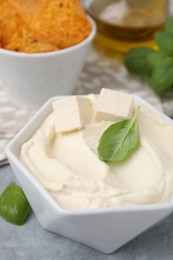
(42, 25)
(0, 37)
(27, 9)
(24, 41)
(62, 22)
(8, 21)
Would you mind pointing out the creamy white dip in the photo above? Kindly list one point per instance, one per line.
(67, 165)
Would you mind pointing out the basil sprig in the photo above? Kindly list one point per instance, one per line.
(136, 61)
(155, 66)
(14, 206)
(161, 79)
(119, 140)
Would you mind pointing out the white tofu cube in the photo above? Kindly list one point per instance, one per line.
(113, 105)
(72, 113)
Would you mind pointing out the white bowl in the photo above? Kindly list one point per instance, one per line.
(105, 229)
(31, 79)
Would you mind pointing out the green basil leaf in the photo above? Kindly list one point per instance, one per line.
(119, 140)
(155, 58)
(14, 206)
(162, 77)
(169, 25)
(164, 41)
(136, 61)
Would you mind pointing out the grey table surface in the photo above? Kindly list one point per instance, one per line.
(30, 241)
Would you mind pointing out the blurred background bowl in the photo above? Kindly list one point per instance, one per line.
(30, 79)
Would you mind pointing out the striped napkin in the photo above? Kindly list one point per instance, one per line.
(12, 119)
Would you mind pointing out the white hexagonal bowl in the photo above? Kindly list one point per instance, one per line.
(104, 229)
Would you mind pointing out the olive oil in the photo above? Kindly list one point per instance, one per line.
(123, 24)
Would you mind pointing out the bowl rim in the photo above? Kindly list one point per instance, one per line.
(54, 53)
(129, 208)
